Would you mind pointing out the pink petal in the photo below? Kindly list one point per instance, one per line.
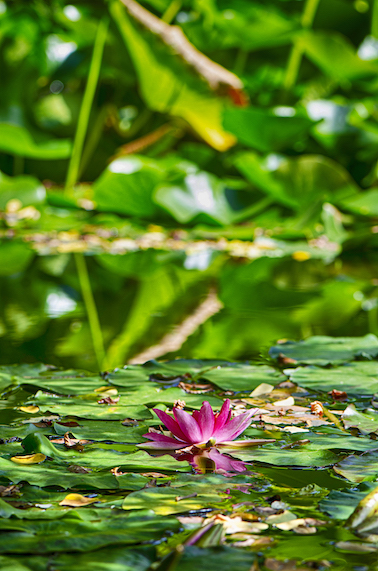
(162, 442)
(223, 416)
(205, 419)
(234, 427)
(170, 423)
(189, 426)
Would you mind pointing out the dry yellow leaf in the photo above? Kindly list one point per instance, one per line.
(77, 500)
(29, 458)
(285, 402)
(30, 409)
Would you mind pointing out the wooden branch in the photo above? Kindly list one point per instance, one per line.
(173, 36)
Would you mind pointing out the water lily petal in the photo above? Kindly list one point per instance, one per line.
(189, 426)
(223, 416)
(205, 419)
(234, 427)
(162, 442)
(170, 423)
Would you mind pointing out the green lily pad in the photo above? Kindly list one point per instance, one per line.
(322, 350)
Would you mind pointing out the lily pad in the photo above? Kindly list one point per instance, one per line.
(322, 350)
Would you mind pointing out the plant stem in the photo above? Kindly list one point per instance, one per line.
(171, 11)
(374, 19)
(296, 53)
(90, 89)
(93, 138)
(18, 165)
(90, 306)
(240, 61)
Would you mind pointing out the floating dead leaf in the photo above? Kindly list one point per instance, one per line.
(233, 525)
(11, 490)
(287, 361)
(295, 429)
(287, 565)
(69, 424)
(29, 409)
(29, 458)
(189, 521)
(77, 500)
(284, 403)
(308, 523)
(262, 389)
(107, 391)
(195, 388)
(317, 408)
(108, 400)
(153, 475)
(129, 422)
(255, 540)
(117, 472)
(338, 395)
(75, 469)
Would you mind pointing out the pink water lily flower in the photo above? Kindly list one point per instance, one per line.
(202, 428)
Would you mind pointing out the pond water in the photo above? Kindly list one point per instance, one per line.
(228, 308)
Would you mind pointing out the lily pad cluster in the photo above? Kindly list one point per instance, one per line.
(79, 490)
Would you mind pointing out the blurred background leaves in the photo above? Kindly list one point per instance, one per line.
(260, 185)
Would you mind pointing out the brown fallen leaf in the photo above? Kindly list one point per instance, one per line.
(153, 475)
(78, 469)
(11, 490)
(108, 400)
(283, 360)
(317, 408)
(77, 500)
(338, 395)
(29, 458)
(117, 472)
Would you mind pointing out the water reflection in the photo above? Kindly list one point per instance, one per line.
(144, 297)
(211, 460)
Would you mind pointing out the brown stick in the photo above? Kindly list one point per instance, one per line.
(174, 37)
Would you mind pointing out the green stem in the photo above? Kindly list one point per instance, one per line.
(93, 138)
(240, 61)
(90, 89)
(253, 210)
(296, 53)
(90, 306)
(18, 165)
(374, 20)
(172, 11)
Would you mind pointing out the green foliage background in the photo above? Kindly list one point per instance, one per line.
(270, 191)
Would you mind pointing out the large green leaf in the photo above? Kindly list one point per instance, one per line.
(27, 189)
(17, 140)
(298, 182)
(336, 56)
(353, 378)
(263, 130)
(322, 350)
(127, 184)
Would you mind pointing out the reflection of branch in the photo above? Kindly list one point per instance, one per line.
(173, 341)
(143, 142)
(174, 37)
